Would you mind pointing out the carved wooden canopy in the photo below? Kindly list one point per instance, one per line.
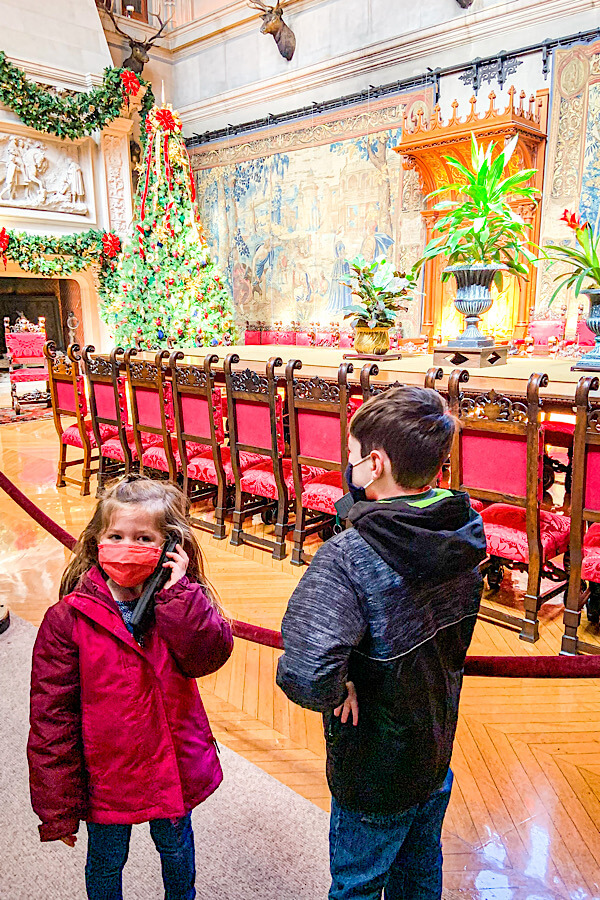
(423, 147)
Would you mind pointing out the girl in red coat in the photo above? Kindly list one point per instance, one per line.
(118, 731)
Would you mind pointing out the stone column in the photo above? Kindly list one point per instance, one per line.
(119, 192)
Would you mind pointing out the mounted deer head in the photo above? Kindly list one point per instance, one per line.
(139, 49)
(273, 24)
(465, 3)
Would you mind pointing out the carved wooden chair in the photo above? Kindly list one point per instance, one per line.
(67, 395)
(319, 411)
(255, 417)
(108, 407)
(199, 422)
(152, 414)
(497, 455)
(27, 363)
(585, 509)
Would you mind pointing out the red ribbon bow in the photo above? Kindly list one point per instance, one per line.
(111, 245)
(4, 242)
(165, 119)
(131, 84)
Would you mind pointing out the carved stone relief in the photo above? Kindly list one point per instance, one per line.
(113, 159)
(42, 175)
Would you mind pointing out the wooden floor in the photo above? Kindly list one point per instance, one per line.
(525, 810)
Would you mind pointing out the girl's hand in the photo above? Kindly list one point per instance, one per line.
(69, 839)
(350, 705)
(178, 562)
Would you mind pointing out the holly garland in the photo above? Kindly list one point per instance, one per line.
(164, 283)
(75, 116)
(61, 256)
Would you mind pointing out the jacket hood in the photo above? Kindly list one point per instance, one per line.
(432, 538)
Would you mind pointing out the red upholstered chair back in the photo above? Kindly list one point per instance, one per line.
(26, 347)
(542, 329)
(197, 405)
(585, 336)
(255, 409)
(67, 391)
(253, 333)
(151, 401)
(497, 452)
(107, 392)
(319, 411)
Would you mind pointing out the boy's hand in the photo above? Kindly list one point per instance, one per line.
(350, 705)
(69, 839)
(178, 562)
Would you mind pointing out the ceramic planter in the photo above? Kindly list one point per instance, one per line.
(473, 298)
(590, 362)
(372, 340)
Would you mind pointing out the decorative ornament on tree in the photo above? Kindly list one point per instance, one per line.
(164, 282)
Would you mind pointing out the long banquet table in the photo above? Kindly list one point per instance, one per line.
(510, 379)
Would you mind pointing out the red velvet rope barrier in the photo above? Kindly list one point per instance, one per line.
(489, 666)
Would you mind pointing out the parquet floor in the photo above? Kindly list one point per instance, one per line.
(525, 811)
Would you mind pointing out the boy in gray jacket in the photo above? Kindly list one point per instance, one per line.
(375, 638)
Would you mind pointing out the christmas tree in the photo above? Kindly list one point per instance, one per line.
(163, 284)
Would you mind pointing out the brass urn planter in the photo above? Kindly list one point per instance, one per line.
(372, 340)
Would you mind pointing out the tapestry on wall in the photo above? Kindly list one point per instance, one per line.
(285, 209)
(573, 162)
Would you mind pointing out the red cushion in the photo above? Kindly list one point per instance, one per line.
(260, 480)
(558, 434)
(22, 375)
(155, 456)
(202, 467)
(590, 568)
(506, 534)
(322, 492)
(476, 504)
(71, 434)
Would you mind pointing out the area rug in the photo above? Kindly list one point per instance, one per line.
(8, 415)
(255, 838)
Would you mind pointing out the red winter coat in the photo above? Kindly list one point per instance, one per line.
(118, 732)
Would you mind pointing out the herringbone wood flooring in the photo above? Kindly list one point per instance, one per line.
(525, 809)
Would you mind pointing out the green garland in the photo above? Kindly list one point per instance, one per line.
(67, 117)
(60, 256)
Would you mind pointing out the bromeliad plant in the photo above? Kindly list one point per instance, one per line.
(379, 289)
(583, 259)
(480, 228)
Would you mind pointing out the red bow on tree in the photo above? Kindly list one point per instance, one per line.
(4, 242)
(111, 245)
(572, 220)
(131, 84)
(165, 119)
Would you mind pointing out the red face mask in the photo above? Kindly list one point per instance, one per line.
(128, 564)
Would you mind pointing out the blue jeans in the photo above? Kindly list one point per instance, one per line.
(108, 848)
(401, 853)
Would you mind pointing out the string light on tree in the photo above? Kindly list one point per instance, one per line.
(165, 284)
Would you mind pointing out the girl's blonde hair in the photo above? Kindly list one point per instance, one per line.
(171, 509)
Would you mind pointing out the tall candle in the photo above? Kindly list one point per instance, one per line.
(163, 92)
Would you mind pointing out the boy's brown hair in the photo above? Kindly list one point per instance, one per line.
(413, 426)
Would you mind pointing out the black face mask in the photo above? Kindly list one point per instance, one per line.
(359, 494)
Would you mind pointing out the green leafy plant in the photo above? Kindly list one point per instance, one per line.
(584, 259)
(379, 288)
(481, 228)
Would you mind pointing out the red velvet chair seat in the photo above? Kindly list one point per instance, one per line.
(260, 480)
(202, 467)
(71, 434)
(506, 535)
(477, 504)
(113, 449)
(322, 492)
(23, 375)
(558, 434)
(155, 456)
(590, 567)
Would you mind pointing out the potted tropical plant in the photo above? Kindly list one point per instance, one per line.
(480, 234)
(584, 277)
(379, 289)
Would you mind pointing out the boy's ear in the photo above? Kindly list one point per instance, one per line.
(382, 461)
